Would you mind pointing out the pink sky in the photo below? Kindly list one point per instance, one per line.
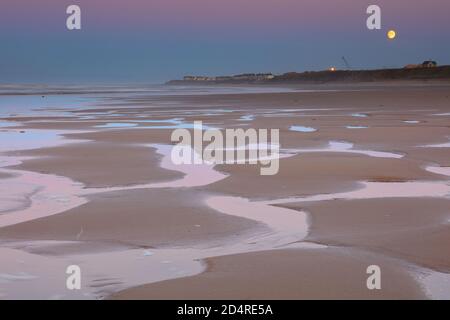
(218, 14)
(162, 39)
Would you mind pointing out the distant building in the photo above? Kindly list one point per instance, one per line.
(425, 64)
(429, 64)
(239, 77)
(253, 76)
(268, 76)
(198, 78)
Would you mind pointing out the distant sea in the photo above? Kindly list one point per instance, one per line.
(28, 100)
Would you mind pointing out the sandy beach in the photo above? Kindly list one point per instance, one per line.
(364, 179)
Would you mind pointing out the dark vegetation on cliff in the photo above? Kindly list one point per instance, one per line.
(434, 73)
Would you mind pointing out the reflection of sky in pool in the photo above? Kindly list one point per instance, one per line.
(117, 125)
(13, 140)
(37, 105)
(248, 117)
(438, 145)
(4, 124)
(302, 129)
(356, 127)
(174, 123)
(180, 126)
(359, 115)
(411, 121)
(347, 147)
(439, 170)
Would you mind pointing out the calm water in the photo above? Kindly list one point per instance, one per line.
(33, 100)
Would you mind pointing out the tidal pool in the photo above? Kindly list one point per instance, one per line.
(356, 127)
(302, 129)
(117, 125)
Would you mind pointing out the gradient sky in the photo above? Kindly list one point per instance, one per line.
(155, 40)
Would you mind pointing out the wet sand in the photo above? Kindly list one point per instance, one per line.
(414, 230)
(143, 218)
(234, 226)
(294, 274)
(99, 164)
(313, 173)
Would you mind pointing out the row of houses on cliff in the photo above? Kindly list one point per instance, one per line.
(239, 77)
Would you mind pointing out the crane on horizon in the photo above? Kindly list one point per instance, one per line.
(347, 65)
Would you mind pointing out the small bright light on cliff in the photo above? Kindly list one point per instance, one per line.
(391, 34)
(332, 69)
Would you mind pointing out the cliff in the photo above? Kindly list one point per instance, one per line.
(434, 73)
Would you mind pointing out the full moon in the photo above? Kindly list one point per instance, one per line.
(391, 34)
